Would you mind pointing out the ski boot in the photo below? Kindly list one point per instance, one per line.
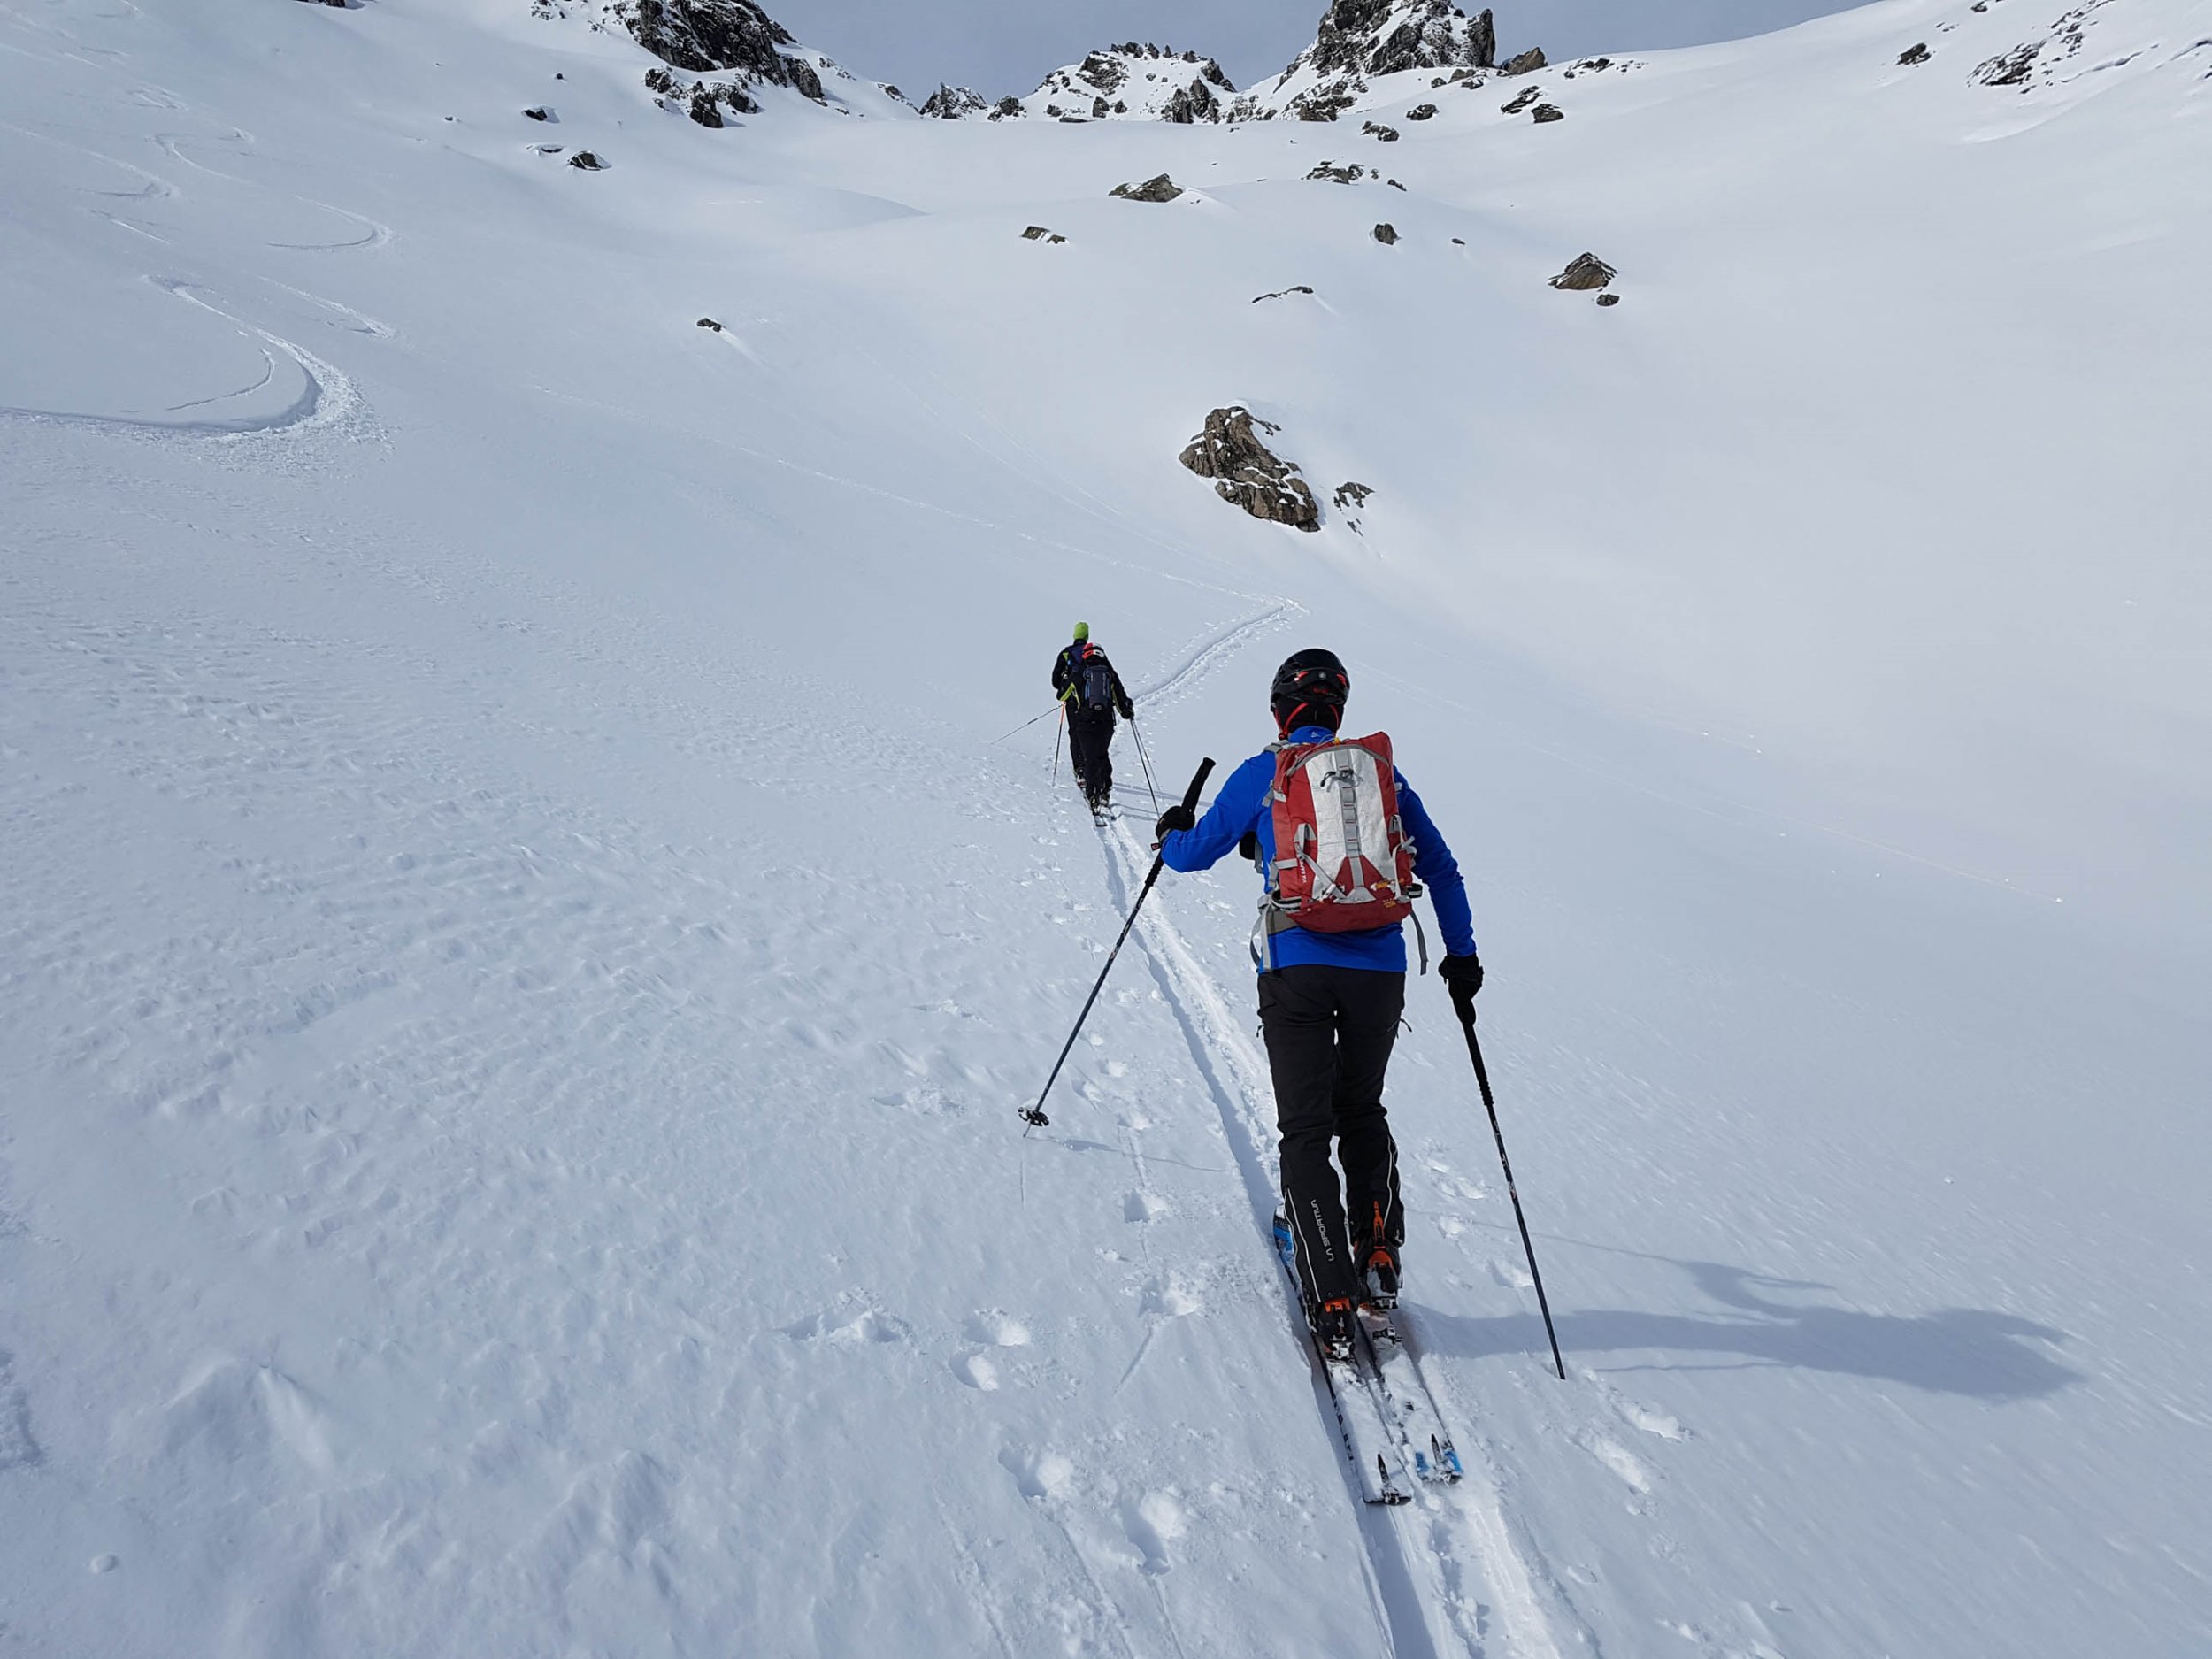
(1333, 1328)
(1381, 1273)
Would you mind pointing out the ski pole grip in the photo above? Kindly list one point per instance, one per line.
(1198, 783)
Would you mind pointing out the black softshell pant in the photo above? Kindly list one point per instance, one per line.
(1090, 740)
(1329, 1035)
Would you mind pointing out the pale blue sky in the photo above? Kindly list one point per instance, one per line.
(999, 46)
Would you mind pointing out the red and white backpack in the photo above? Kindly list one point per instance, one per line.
(1343, 861)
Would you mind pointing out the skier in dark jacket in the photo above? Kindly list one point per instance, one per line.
(1329, 1006)
(1091, 692)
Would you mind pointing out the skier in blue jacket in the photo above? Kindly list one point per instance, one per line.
(1329, 1006)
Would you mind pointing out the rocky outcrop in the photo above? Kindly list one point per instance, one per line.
(1917, 53)
(705, 101)
(1353, 494)
(1585, 271)
(1130, 82)
(1381, 37)
(1247, 473)
(1547, 112)
(1524, 63)
(1520, 100)
(1376, 129)
(1359, 39)
(954, 104)
(1160, 188)
(1386, 233)
(712, 37)
(1421, 112)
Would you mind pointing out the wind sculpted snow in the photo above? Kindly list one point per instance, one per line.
(522, 956)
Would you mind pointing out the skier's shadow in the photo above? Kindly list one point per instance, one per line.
(1971, 1351)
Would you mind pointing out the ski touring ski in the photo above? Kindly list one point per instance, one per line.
(1367, 1434)
(1406, 1398)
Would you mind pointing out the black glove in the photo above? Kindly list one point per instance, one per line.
(1178, 817)
(1128, 710)
(1249, 846)
(1462, 977)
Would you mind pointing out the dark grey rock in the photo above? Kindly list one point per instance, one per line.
(1357, 37)
(1524, 63)
(538, 113)
(1281, 293)
(1608, 299)
(1247, 473)
(1547, 112)
(1585, 271)
(1161, 188)
(1332, 172)
(1353, 494)
(1376, 129)
(1520, 100)
(1915, 54)
(587, 162)
(709, 322)
(1037, 232)
(2009, 69)
(1387, 234)
(1421, 112)
(716, 36)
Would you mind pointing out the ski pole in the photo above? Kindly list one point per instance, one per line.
(1059, 726)
(1034, 1116)
(1144, 760)
(1490, 1105)
(1026, 724)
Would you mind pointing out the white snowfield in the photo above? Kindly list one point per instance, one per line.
(521, 952)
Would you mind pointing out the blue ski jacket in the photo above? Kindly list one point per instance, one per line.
(1241, 808)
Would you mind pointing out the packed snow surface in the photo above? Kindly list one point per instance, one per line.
(523, 945)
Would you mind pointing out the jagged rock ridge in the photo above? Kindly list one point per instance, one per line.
(731, 39)
(1130, 82)
(1360, 39)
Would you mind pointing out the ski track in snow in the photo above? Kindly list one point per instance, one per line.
(328, 401)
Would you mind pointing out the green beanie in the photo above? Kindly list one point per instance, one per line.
(1082, 632)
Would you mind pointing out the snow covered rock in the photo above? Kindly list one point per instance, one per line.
(1359, 39)
(1524, 63)
(1039, 232)
(710, 36)
(1915, 54)
(1159, 188)
(1545, 113)
(955, 103)
(1131, 83)
(1585, 271)
(1247, 473)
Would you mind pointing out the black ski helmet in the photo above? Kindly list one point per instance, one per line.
(1312, 684)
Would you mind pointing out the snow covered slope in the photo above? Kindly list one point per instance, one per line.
(522, 951)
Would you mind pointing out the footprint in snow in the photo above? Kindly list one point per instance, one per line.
(1152, 1521)
(852, 1328)
(1142, 1207)
(996, 1328)
(1039, 1475)
(1634, 1472)
(977, 1371)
